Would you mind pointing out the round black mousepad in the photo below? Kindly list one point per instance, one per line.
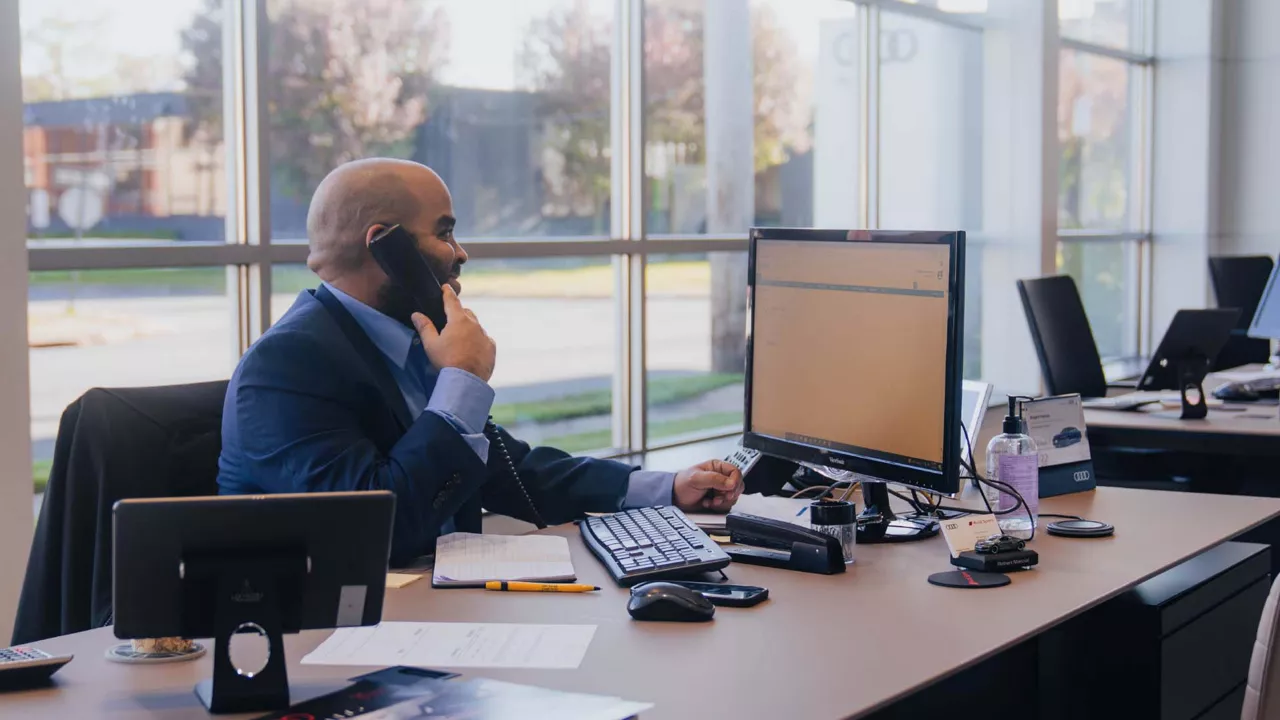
(969, 579)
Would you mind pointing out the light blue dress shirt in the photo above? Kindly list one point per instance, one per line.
(461, 398)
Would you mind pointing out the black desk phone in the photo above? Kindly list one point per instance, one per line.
(397, 253)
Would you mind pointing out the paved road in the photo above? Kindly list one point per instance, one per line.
(546, 346)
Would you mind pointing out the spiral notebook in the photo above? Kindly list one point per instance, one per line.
(471, 559)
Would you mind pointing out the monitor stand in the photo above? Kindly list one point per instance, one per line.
(250, 594)
(878, 524)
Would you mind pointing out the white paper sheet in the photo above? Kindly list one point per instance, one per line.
(472, 559)
(456, 645)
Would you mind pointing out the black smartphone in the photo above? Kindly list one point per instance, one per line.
(728, 595)
(396, 251)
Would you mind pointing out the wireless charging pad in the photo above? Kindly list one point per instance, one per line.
(1080, 528)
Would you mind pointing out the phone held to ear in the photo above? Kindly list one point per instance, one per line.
(396, 251)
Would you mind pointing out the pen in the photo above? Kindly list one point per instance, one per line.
(516, 586)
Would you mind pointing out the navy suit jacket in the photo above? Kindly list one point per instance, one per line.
(312, 407)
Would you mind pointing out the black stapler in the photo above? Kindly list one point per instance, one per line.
(780, 544)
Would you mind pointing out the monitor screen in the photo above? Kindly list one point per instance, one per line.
(1266, 319)
(853, 352)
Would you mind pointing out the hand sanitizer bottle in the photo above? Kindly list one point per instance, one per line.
(1013, 459)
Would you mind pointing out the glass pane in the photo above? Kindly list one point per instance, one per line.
(122, 118)
(1114, 23)
(1095, 132)
(696, 329)
(789, 65)
(930, 125)
(972, 346)
(1106, 274)
(507, 100)
(122, 328)
(554, 320)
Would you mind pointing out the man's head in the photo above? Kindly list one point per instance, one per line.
(357, 201)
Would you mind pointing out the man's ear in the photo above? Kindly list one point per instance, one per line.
(372, 232)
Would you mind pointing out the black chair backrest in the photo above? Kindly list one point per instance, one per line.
(1238, 282)
(1064, 342)
(112, 444)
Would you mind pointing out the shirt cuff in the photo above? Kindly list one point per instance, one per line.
(462, 397)
(646, 488)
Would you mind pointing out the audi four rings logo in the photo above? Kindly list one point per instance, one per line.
(1081, 475)
(895, 46)
(898, 46)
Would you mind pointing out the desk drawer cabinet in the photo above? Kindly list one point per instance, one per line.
(1176, 647)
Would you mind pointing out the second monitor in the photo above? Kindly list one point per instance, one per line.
(853, 359)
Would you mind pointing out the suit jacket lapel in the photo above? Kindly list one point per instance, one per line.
(367, 350)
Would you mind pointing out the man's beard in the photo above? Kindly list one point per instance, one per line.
(396, 303)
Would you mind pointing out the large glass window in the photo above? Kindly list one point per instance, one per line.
(696, 328)
(1096, 123)
(930, 163)
(507, 100)
(1106, 274)
(121, 328)
(1113, 23)
(113, 144)
(554, 322)
(829, 113)
(765, 91)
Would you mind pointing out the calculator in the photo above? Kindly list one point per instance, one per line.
(24, 667)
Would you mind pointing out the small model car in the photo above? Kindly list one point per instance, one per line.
(1068, 437)
(999, 544)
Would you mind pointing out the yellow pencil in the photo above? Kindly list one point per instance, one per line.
(538, 587)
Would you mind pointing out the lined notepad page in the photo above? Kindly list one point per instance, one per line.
(471, 559)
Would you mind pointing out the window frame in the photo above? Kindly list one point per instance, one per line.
(1141, 64)
(250, 252)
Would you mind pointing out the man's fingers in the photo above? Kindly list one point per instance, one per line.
(706, 480)
(452, 305)
(426, 329)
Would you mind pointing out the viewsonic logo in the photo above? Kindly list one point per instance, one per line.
(246, 594)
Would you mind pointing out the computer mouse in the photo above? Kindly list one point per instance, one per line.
(1234, 392)
(668, 601)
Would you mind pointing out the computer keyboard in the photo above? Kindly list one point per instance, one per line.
(654, 543)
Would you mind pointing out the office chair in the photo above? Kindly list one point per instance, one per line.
(112, 444)
(1069, 360)
(1238, 282)
(1262, 690)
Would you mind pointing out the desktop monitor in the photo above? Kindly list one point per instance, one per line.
(267, 564)
(1266, 319)
(853, 359)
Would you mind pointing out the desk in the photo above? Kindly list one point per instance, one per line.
(731, 667)
(1253, 431)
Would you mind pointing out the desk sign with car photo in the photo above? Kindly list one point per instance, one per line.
(1057, 426)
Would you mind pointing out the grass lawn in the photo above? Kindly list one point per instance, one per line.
(40, 474)
(581, 442)
(662, 391)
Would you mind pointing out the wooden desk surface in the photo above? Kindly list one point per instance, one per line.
(1231, 429)
(886, 632)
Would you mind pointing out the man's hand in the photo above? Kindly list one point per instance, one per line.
(463, 344)
(712, 486)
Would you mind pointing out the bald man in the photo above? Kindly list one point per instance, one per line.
(354, 390)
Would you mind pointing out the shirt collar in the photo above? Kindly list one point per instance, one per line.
(390, 336)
